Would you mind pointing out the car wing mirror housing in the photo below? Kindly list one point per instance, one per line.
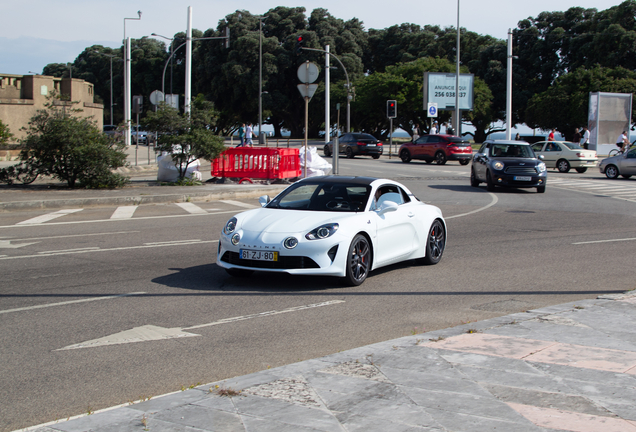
(263, 200)
(541, 157)
(386, 207)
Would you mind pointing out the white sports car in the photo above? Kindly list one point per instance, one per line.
(333, 226)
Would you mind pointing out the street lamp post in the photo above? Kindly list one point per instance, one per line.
(111, 56)
(127, 81)
(260, 78)
(172, 58)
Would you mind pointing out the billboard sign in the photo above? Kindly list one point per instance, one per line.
(439, 88)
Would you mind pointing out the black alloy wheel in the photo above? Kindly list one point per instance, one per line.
(435, 243)
(358, 260)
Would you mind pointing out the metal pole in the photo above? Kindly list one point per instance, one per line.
(327, 99)
(509, 88)
(458, 120)
(306, 130)
(127, 114)
(111, 91)
(188, 77)
(390, 136)
(260, 77)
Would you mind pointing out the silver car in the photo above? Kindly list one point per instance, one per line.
(623, 165)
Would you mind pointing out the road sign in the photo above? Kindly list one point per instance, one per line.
(156, 97)
(307, 90)
(307, 72)
(432, 109)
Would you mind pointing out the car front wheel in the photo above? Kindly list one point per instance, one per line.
(358, 260)
(435, 243)
(541, 189)
(440, 158)
(611, 172)
(490, 186)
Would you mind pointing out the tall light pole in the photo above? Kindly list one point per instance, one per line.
(458, 120)
(509, 88)
(127, 81)
(260, 78)
(111, 56)
(172, 58)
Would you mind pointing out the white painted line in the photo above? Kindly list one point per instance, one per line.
(174, 242)
(192, 208)
(492, 203)
(119, 220)
(604, 241)
(104, 250)
(124, 212)
(151, 332)
(238, 204)
(69, 250)
(75, 235)
(70, 302)
(47, 217)
(264, 314)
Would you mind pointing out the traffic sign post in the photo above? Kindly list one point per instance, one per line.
(307, 74)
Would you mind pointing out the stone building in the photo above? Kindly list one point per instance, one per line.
(22, 95)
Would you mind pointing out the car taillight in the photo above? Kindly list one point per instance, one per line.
(580, 155)
(360, 143)
(379, 143)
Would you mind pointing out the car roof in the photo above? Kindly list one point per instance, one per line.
(506, 142)
(340, 179)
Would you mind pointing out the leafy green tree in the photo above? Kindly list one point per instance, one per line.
(71, 148)
(564, 105)
(5, 134)
(187, 137)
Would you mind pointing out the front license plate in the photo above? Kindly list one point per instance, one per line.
(523, 178)
(258, 255)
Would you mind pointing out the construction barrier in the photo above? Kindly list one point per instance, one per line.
(249, 163)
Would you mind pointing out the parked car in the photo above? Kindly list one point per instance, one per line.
(333, 226)
(508, 164)
(138, 136)
(111, 130)
(564, 155)
(623, 165)
(354, 144)
(438, 148)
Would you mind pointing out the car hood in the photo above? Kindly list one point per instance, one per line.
(272, 221)
(613, 159)
(512, 161)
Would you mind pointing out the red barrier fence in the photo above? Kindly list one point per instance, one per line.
(257, 163)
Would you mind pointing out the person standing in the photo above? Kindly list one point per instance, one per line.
(577, 136)
(517, 137)
(241, 134)
(434, 128)
(249, 133)
(585, 141)
(416, 131)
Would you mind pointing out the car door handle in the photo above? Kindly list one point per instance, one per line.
(411, 214)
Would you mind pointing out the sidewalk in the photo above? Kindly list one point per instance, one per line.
(569, 367)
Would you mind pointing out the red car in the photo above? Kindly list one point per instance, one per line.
(438, 148)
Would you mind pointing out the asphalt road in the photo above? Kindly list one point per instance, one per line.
(71, 281)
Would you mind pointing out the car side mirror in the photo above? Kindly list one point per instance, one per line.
(541, 157)
(264, 200)
(386, 207)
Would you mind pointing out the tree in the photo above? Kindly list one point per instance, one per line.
(564, 105)
(71, 148)
(187, 137)
(5, 134)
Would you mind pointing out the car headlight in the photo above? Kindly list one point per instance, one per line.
(290, 242)
(322, 232)
(230, 226)
(498, 165)
(236, 238)
(541, 167)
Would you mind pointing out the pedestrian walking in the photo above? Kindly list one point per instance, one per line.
(585, 141)
(241, 134)
(249, 133)
(416, 131)
(577, 136)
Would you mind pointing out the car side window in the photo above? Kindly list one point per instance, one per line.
(405, 196)
(631, 154)
(434, 140)
(537, 147)
(421, 140)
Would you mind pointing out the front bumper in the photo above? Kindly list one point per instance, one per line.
(367, 150)
(519, 180)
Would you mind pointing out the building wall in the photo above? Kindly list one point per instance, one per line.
(22, 95)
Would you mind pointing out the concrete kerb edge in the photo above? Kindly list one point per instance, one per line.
(138, 200)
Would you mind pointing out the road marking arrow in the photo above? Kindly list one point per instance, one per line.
(6, 244)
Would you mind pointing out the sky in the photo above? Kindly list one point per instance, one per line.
(35, 33)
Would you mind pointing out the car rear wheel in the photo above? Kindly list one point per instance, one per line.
(435, 243)
(358, 260)
(473, 180)
(626, 176)
(349, 153)
(440, 158)
(375, 156)
(326, 151)
(563, 165)
(611, 172)
(405, 156)
(581, 170)
(490, 186)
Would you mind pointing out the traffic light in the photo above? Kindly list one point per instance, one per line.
(138, 104)
(391, 109)
(299, 45)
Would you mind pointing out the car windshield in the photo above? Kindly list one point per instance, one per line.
(323, 196)
(511, 150)
(571, 145)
